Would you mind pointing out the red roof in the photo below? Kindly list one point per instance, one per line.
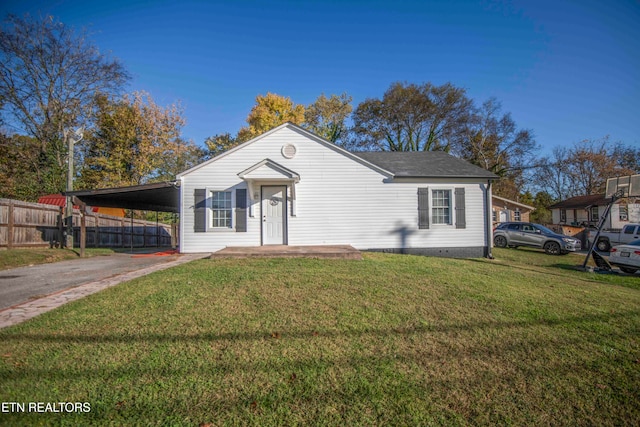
(59, 200)
(54, 199)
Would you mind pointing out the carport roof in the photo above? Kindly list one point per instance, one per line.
(160, 196)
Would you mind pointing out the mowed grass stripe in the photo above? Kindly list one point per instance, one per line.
(390, 340)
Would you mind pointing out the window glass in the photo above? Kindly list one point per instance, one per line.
(514, 226)
(221, 209)
(441, 210)
(624, 213)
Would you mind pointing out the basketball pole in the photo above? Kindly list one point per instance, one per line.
(614, 198)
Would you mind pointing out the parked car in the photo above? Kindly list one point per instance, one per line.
(612, 237)
(627, 257)
(514, 234)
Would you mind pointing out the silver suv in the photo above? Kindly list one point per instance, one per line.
(514, 234)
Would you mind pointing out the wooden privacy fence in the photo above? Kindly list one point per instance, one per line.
(24, 224)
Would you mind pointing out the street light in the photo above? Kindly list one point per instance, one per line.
(71, 137)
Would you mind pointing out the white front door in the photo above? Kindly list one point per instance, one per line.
(274, 210)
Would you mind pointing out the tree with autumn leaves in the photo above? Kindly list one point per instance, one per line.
(326, 117)
(583, 167)
(135, 141)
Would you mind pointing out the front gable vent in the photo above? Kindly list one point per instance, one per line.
(289, 151)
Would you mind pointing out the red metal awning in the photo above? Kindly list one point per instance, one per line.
(54, 199)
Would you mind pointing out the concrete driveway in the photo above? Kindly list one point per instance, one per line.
(28, 291)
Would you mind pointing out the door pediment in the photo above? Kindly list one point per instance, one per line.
(268, 170)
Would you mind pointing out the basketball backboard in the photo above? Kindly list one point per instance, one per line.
(628, 185)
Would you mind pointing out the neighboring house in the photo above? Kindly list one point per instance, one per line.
(587, 211)
(505, 210)
(291, 187)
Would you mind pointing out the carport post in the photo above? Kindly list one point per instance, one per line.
(83, 224)
(83, 233)
(131, 233)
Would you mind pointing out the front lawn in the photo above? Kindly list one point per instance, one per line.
(390, 340)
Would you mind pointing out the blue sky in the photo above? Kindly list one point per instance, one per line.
(568, 70)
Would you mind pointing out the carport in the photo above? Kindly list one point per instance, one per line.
(158, 197)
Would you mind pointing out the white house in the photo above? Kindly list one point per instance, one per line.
(588, 210)
(291, 187)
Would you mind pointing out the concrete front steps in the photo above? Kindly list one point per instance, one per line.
(285, 251)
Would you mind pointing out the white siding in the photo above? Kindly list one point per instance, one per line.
(339, 200)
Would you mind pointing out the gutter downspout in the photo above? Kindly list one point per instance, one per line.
(181, 216)
(487, 216)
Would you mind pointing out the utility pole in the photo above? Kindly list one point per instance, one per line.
(71, 139)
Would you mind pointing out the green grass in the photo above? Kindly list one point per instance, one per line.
(390, 340)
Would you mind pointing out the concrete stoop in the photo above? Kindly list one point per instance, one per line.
(285, 251)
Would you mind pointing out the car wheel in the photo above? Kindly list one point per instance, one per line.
(629, 270)
(500, 241)
(552, 248)
(603, 245)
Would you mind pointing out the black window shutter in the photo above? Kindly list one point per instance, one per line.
(461, 221)
(423, 208)
(241, 209)
(200, 210)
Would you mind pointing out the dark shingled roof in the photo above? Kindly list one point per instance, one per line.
(425, 164)
(581, 202)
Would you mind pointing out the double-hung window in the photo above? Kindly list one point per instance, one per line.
(221, 209)
(441, 207)
(517, 216)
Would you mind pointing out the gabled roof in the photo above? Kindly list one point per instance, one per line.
(425, 164)
(582, 202)
(300, 130)
(416, 164)
(268, 169)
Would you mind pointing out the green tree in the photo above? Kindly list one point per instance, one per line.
(49, 76)
(20, 175)
(412, 117)
(327, 117)
(541, 202)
